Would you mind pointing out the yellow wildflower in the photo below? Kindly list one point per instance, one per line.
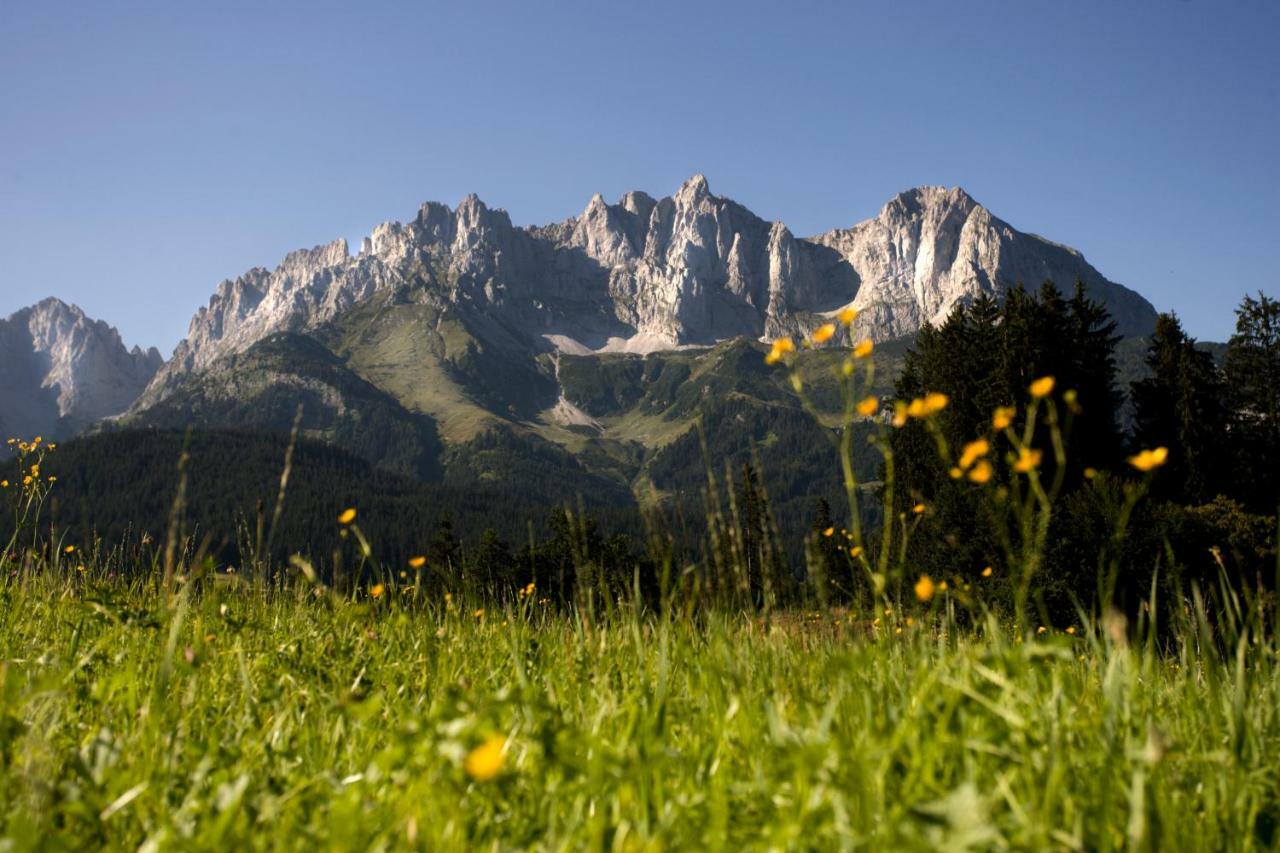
(824, 333)
(863, 349)
(855, 551)
(829, 531)
(973, 451)
(479, 613)
(867, 406)
(1071, 629)
(417, 562)
(918, 509)
(981, 472)
(1149, 460)
(1042, 387)
(1003, 416)
(1090, 473)
(70, 549)
(377, 590)
(955, 472)
(900, 412)
(847, 316)
(987, 572)
(1028, 460)
(924, 588)
(780, 347)
(485, 761)
(347, 516)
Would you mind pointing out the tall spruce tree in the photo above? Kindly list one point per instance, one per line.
(1252, 371)
(984, 355)
(1182, 406)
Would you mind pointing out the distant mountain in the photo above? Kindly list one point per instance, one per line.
(589, 357)
(61, 371)
(645, 275)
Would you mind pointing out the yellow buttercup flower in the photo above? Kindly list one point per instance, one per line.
(924, 588)
(1149, 460)
(981, 472)
(485, 761)
(1028, 460)
(855, 551)
(987, 572)
(918, 509)
(863, 349)
(829, 531)
(901, 411)
(973, 451)
(1003, 416)
(780, 348)
(847, 316)
(417, 562)
(347, 516)
(824, 333)
(867, 406)
(70, 549)
(377, 590)
(1042, 387)
(929, 404)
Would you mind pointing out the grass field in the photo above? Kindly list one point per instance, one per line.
(222, 716)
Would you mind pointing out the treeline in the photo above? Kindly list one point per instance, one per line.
(118, 490)
(1212, 506)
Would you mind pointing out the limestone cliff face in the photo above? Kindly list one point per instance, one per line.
(646, 274)
(930, 248)
(61, 371)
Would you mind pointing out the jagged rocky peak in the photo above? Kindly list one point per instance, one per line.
(61, 370)
(645, 273)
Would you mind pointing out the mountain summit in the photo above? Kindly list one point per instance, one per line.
(642, 275)
(61, 371)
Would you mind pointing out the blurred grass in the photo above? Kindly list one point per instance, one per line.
(232, 716)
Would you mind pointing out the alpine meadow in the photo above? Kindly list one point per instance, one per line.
(660, 526)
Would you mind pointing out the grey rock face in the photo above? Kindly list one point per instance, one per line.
(61, 371)
(646, 274)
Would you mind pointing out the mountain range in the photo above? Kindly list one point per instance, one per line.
(458, 347)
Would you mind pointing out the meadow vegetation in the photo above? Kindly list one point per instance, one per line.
(1022, 628)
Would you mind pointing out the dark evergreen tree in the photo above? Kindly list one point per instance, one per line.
(830, 548)
(1252, 371)
(752, 534)
(1182, 406)
(985, 355)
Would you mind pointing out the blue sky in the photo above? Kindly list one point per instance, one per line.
(148, 151)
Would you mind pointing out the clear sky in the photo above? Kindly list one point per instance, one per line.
(148, 151)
